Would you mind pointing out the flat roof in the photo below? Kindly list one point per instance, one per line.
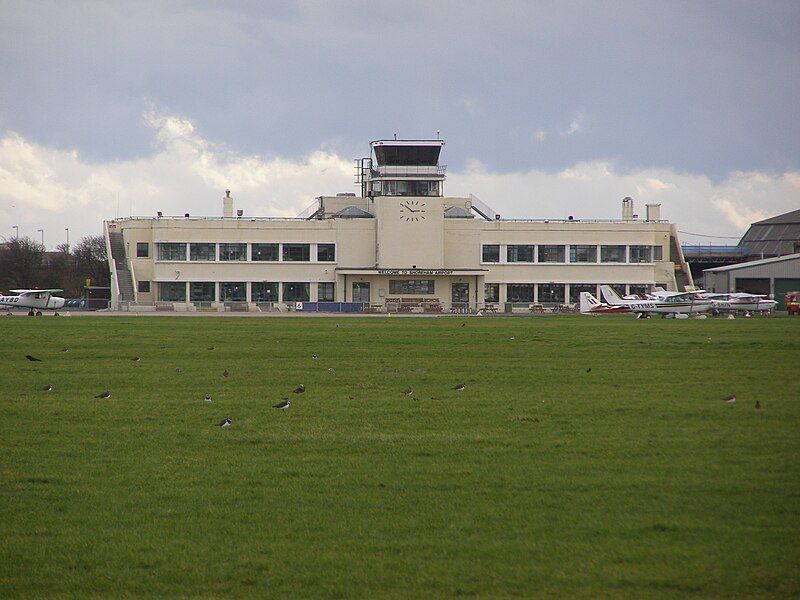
(755, 263)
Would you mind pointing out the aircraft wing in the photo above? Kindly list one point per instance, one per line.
(26, 292)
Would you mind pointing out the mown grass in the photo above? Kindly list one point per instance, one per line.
(538, 480)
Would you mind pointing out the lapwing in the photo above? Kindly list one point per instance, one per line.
(758, 404)
(463, 324)
(225, 374)
(589, 370)
(211, 348)
(104, 394)
(330, 370)
(33, 358)
(178, 370)
(314, 356)
(49, 388)
(460, 387)
(225, 422)
(282, 405)
(136, 359)
(408, 391)
(513, 337)
(729, 399)
(207, 398)
(64, 350)
(299, 389)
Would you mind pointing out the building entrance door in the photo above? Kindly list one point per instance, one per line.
(361, 291)
(459, 295)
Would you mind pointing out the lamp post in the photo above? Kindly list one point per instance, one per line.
(42, 232)
(16, 231)
(67, 230)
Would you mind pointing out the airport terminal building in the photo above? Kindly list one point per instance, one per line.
(400, 245)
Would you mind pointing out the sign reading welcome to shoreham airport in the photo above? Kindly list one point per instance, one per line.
(415, 271)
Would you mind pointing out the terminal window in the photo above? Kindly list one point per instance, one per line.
(519, 292)
(575, 290)
(326, 252)
(551, 254)
(296, 291)
(233, 251)
(491, 253)
(519, 253)
(142, 250)
(202, 252)
(551, 292)
(582, 254)
(172, 291)
(233, 291)
(640, 254)
(202, 291)
(264, 291)
(297, 252)
(265, 252)
(411, 286)
(613, 254)
(325, 291)
(491, 292)
(143, 287)
(171, 251)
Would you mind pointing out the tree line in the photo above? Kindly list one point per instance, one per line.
(25, 263)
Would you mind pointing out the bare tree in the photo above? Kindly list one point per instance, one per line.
(91, 260)
(20, 263)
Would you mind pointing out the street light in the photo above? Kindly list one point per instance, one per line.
(42, 232)
(16, 231)
(67, 230)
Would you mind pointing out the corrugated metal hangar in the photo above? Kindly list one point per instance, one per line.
(771, 276)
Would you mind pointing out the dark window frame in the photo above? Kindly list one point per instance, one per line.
(494, 257)
(287, 251)
(142, 249)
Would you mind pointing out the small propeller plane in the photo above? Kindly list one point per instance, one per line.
(34, 300)
(592, 306)
(678, 305)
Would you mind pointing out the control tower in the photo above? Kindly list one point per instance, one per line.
(402, 168)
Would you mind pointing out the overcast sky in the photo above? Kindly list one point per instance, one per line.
(547, 108)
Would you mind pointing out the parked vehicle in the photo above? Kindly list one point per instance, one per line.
(792, 303)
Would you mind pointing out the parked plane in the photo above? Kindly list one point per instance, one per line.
(592, 306)
(740, 302)
(679, 303)
(33, 300)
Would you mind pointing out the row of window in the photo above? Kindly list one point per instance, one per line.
(554, 292)
(556, 253)
(236, 291)
(271, 252)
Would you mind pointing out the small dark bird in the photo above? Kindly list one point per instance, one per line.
(463, 324)
(64, 350)
(225, 373)
(178, 370)
(351, 398)
(136, 359)
(282, 405)
(589, 370)
(408, 391)
(49, 388)
(299, 389)
(460, 387)
(33, 358)
(207, 397)
(314, 356)
(729, 399)
(337, 326)
(104, 394)
(330, 370)
(758, 404)
(225, 422)
(211, 348)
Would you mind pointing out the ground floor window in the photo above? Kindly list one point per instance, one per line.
(296, 291)
(491, 292)
(575, 290)
(264, 291)
(172, 291)
(325, 291)
(143, 287)
(233, 291)
(411, 286)
(202, 291)
(639, 290)
(361, 291)
(519, 292)
(551, 292)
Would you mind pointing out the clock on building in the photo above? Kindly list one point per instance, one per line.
(412, 210)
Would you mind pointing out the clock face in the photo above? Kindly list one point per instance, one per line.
(412, 210)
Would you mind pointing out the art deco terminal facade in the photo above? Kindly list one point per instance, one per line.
(399, 245)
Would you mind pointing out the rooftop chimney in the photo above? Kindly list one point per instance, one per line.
(653, 212)
(227, 204)
(627, 209)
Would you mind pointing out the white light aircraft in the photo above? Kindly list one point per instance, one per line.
(592, 306)
(741, 302)
(677, 304)
(34, 300)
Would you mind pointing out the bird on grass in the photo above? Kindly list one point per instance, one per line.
(207, 398)
(460, 387)
(64, 350)
(47, 388)
(758, 404)
(314, 356)
(178, 370)
(729, 399)
(513, 337)
(225, 422)
(299, 389)
(136, 359)
(408, 391)
(211, 348)
(104, 394)
(225, 373)
(589, 370)
(463, 324)
(33, 358)
(282, 405)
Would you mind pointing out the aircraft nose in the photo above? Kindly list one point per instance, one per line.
(60, 302)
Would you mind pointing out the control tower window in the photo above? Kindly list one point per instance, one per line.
(408, 188)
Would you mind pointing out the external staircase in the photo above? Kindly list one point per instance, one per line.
(124, 278)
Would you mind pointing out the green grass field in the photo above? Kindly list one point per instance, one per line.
(538, 480)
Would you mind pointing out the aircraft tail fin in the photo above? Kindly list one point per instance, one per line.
(588, 302)
(610, 295)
